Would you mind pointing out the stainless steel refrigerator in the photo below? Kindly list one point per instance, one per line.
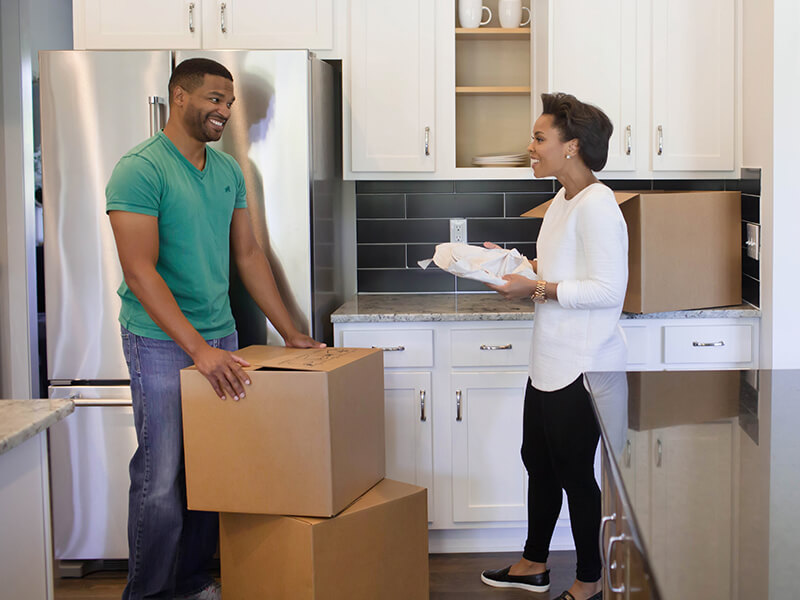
(284, 132)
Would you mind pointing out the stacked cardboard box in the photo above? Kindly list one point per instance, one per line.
(296, 470)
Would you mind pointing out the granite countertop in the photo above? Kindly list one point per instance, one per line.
(23, 419)
(369, 308)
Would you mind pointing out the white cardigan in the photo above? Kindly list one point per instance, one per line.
(582, 246)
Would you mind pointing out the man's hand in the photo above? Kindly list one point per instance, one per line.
(223, 370)
(516, 286)
(301, 340)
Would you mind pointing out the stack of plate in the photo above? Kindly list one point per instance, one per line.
(502, 160)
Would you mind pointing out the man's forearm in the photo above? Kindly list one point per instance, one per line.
(256, 274)
(157, 299)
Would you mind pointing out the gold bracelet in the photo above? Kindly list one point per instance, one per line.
(539, 294)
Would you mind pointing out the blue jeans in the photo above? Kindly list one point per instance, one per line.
(169, 546)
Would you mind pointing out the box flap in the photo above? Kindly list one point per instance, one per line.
(538, 211)
(300, 359)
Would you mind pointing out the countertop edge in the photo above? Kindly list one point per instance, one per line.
(38, 423)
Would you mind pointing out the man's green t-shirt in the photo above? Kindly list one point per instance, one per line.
(194, 210)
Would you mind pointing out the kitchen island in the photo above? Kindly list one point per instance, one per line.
(701, 483)
(26, 569)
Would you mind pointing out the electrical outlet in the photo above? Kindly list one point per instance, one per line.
(458, 230)
(753, 242)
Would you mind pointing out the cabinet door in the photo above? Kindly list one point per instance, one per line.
(489, 480)
(268, 24)
(392, 85)
(593, 57)
(692, 510)
(692, 76)
(145, 24)
(408, 410)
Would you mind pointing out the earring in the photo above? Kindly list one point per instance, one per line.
(568, 156)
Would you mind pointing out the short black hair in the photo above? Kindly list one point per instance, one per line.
(189, 74)
(586, 123)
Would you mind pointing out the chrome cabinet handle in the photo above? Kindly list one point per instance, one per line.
(707, 344)
(391, 348)
(613, 566)
(427, 141)
(659, 452)
(191, 17)
(628, 140)
(422, 416)
(603, 522)
(487, 347)
(155, 102)
(458, 405)
(660, 140)
(222, 26)
(627, 453)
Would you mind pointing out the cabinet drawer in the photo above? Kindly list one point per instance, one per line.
(402, 348)
(490, 347)
(708, 344)
(637, 339)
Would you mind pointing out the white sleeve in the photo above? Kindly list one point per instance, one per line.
(602, 230)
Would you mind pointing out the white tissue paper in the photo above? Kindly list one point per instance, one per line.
(481, 264)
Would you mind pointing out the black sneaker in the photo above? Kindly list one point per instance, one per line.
(532, 583)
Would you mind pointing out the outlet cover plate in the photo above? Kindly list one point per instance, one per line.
(458, 230)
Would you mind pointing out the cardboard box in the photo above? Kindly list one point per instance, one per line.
(307, 439)
(685, 249)
(376, 549)
(663, 399)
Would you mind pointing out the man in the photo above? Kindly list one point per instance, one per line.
(178, 209)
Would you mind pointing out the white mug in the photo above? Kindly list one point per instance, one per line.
(510, 13)
(470, 13)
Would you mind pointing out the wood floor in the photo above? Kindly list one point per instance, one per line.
(453, 576)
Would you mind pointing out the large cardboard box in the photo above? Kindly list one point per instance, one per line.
(663, 399)
(685, 249)
(376, 549)
(307, 439)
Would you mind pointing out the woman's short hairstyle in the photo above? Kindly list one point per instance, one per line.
(586, 123)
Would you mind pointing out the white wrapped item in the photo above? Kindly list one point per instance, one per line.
(481, 264)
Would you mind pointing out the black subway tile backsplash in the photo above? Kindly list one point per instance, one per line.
(380, 206)
(454, 205)
(400, 223)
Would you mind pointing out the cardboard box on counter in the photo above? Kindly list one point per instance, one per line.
(376, 548)
(659, 399)
(685, 249)
(307, 439)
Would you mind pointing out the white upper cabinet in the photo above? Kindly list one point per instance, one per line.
(593, 56)
(255, 24)
(391, 86)
(145, 24)
(210, 24)
(692, 75)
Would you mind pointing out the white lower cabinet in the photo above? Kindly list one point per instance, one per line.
(489, 480)
(454, 395)
(409, 437)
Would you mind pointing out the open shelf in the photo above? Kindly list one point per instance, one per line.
(493, 33)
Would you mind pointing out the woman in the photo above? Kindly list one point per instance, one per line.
(582, 272)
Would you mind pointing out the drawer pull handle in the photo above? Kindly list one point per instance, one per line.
(488, 347)
(391, 348)
(627, 453)
(659, 452)
(603, 522)
(613, 565)
(458, 405)
(707, 344)
(191, 17)
(422, 416)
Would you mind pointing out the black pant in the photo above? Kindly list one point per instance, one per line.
(559, 440)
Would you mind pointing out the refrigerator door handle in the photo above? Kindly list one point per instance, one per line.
(156, 113)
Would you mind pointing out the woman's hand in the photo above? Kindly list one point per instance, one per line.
(516, 286)
(491, 245)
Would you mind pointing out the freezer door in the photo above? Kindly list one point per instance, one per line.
(269, 136)
(95, 106)
(89, 456)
